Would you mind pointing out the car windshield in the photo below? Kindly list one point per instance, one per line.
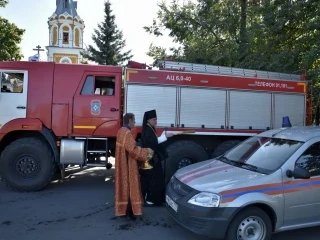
(261, 154)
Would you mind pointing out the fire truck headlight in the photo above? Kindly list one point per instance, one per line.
(205, 199)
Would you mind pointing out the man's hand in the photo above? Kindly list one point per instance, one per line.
(150, 151)
(169, 135)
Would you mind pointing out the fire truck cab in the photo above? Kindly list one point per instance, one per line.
(53, 115)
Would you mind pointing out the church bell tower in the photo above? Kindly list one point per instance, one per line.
(65, 33)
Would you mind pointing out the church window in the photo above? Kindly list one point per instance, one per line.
(66, 4)
(54, 35)
(99, 85)
(76, 38)
(65, 38)
(65, 60)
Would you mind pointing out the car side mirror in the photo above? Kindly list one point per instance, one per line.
(298, 173)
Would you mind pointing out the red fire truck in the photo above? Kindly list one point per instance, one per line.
(53, 115)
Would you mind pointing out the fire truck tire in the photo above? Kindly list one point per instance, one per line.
(27, 164)
(181, 154)
(224, 147)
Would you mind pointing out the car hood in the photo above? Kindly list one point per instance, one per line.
(216, 176)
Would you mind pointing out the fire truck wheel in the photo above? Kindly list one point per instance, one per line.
(181, 154)
(224, 147)
(27, 164)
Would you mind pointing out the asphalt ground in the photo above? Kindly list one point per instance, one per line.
(82, 207)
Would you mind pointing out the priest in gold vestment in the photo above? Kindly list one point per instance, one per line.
(128, 197)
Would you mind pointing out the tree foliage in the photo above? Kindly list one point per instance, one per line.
(273, 35)
(109, 41)
(3, 3)
(10, 38)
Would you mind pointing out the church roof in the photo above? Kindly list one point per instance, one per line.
(68, 6)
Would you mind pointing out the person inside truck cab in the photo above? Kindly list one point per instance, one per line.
(105, 86)
(5, 89)
(153, 180)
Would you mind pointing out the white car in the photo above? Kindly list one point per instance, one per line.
(268, 183)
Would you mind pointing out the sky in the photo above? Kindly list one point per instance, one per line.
(131, 17)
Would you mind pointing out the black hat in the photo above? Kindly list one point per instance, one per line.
(149, 115)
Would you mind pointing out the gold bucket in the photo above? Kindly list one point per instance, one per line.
(146, 165)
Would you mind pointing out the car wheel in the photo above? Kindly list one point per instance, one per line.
(250, 224)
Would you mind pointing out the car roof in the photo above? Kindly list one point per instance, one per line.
(303, 133)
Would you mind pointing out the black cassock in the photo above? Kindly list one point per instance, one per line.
(153, 180)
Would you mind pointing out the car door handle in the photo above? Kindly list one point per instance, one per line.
(21, 107)
(114, 109)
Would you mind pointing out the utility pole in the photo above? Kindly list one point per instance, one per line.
(38, 49)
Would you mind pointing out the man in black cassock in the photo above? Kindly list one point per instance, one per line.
(153, 180)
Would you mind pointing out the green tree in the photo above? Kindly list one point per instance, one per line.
(109, 41)
(267, 35)
(280, 35)
(10, 38)
(3, 3)
(209, 31)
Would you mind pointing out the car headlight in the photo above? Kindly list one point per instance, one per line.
(205, 199)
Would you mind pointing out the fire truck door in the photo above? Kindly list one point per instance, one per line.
(13, 95)
(96, 108)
